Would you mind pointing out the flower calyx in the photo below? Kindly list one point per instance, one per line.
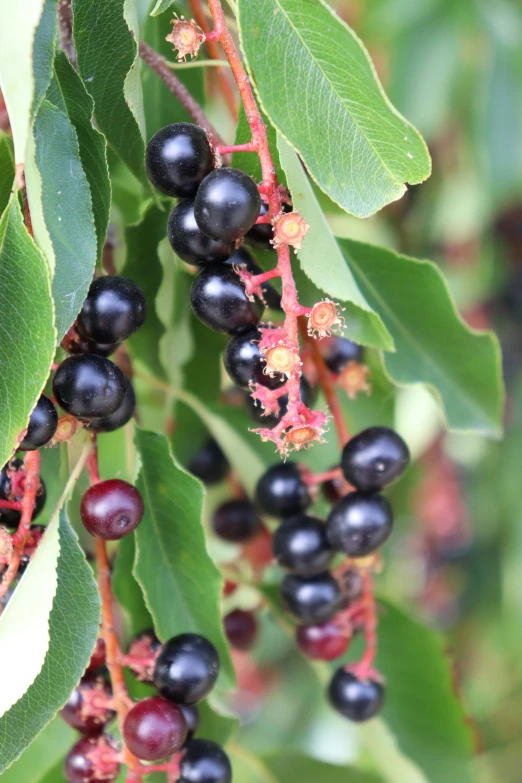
(186, 37)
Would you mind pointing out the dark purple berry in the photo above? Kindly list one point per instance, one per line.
(244, 362)
(282, 491)
(97, 656)
(121, 415)
(311, 599)
(227, 204)
(91, 760)
(205, 762)
(359, 524)
(87, 708)
(300, 545)
(114, 309)
(220, 301)
(189, 242)
(154, 728)
(236, 520)
(186, 668)
(374, 458)
(358, 700)
(42, 425)
(241, 629)
(12, 483)
(337, 352)
(210, 464)
(177, 158)
(89, 386)
(111, 509)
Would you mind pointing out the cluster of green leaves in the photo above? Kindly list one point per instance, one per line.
(340, 147)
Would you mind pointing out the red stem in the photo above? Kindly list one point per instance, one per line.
(365, 666)
(226, 149)
(13, 504)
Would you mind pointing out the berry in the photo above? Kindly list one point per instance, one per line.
(97, 656)
(374, 458)
(236, 520)
(144, 646)
(358, 700)
(87, 708)
(205, 762)
(186, 668)
(261, 234)
(282, 492)
(300, 545)
(121, 415)
(244, 361)
(154, 728)
(359, 524)
(111, 509)
(241, 257)
(89, 386)
(338, 352)
(189, 242)
(177, 158)
(255, 411)
(91, 760)
(241, 629)
(210, 464)
(12, 482)
(42, 425)
(334, 489)
(191, 715)
(220, 301)
(311, 599)
(323, 642)
(114, 309)
(227, 204)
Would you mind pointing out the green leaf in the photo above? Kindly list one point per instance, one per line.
(73, 629)
(363, 325)
(292, 766)
(61, 211)
(213, 725)
(69, 94)
(433, 344)
(26, 320)
(161, 6)
(105, 36)
(181, 584)
(7, 169)
(43, 755)
(317, 84)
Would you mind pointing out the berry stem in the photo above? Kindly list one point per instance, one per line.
(13, 504)
(225, 149)
(364, 667)
(321, 478)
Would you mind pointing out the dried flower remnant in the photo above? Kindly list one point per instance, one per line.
(186, 37)
(290, 228)
(354, 379)
(324, 316)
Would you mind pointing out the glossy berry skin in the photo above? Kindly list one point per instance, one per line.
(358, 700)
(189, 242)
(337, 352)
(81, 767)
(10, 490)
(154, 728)
(236, 521)
(111, 509)
(86, 709)
(209, 464)
(121, 415)
(42, 425)
(227, 204)
(114, 309)
(186, 668)
(323, 642)
(219, 300)
(282, 492)
(192, 718)
(241, 257)
(260, 235)
(311, 599)
(244, 362)
(97, 656)
(374, 458)
(177, 158)
(359, 524)
(205, 762)
(241, 629)
(301, 547)
(89, 386)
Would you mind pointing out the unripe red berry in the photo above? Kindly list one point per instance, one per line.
(111, 509)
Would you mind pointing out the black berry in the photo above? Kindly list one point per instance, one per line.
(220, 301)
(358, 700)
(121, 415)
(192, 717)
(42, 425)
(244, 361)
(12, 483)
(236, 520)
(177, 158)
(311, 599)
(359, 524)
(205, 762)
(114, 309)
(89, 386)
(282, 492)
(87, 761)
(338, 352)
(186, 668)
(87, 708)
(322, 642)
(154, 728)
(374, 458)
(189, 242)
(111, 509)
(227, 204)
(241, 629)
(210, 464)
(300, 545)
(241, 257)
